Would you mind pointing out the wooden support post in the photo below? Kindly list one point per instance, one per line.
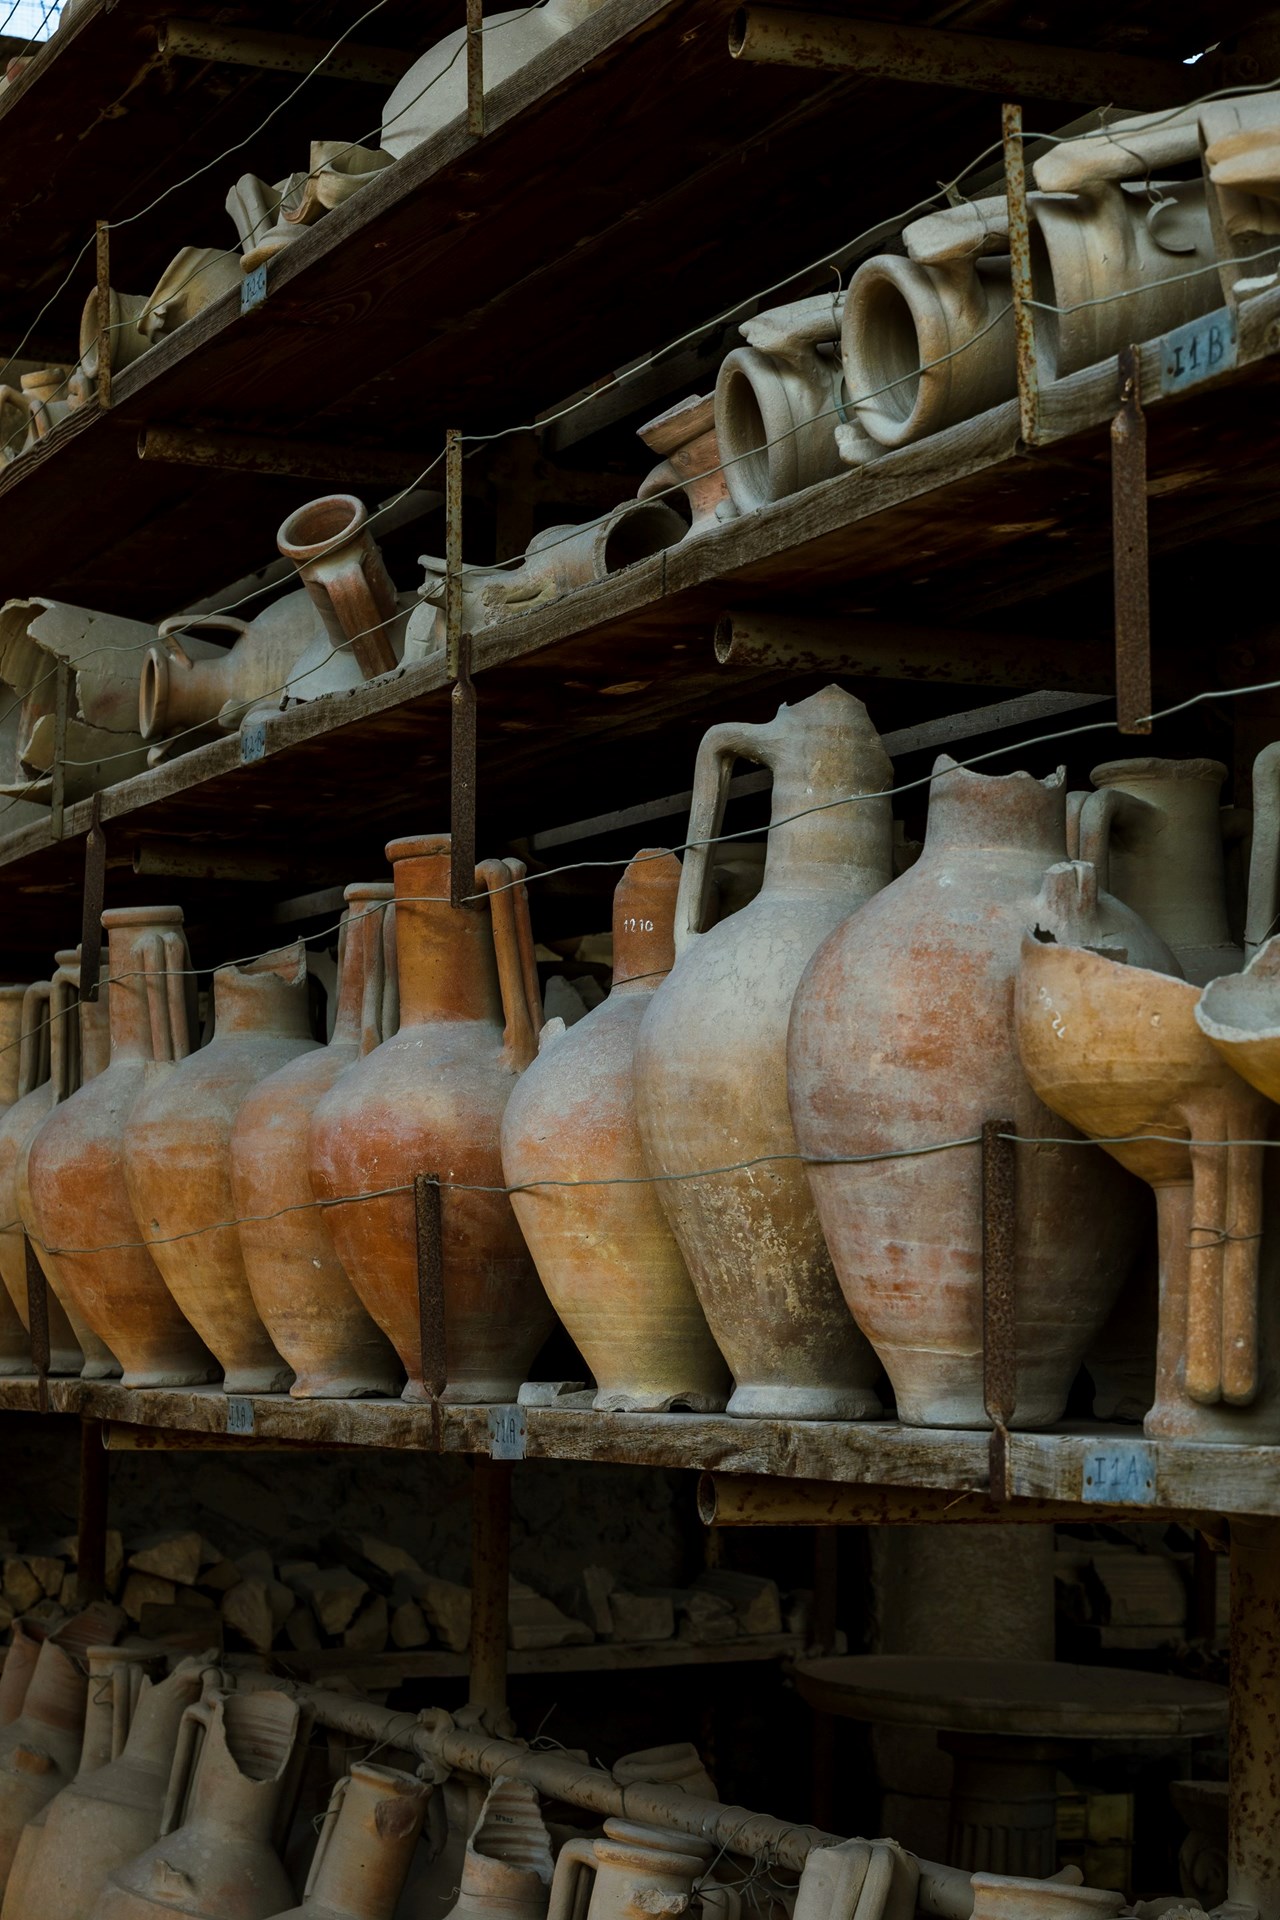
(490, 1579)
(102, 235)
(58, 772)
(999, 1317)
(475, 68)
(1024, 330)
(429, 1247)
(95, 884)
(1253, 1819)
(91, 1525)
(1129, 536)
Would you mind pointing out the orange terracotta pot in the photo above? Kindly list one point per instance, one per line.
(39, 1751)
(299, 1287)
(177, 1160)
(606, 1255)
(430, 1100)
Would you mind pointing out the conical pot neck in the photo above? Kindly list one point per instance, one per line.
(444, 955)
(56, 1695)
(146, 953)
(364, 1855)
(263, 996)
(153, 1734)
(1013, 814)
(830, 822)
(644, 912)
(243, 1764)
(360, 967)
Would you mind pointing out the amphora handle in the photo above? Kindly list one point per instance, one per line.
(514, 950)
(569, 1898)
(328, 1825)
(720, 747)
(193, 1729)
(169, 631)
(64, 1034)
(34, 1044)
(1100, 814)
(161, 958)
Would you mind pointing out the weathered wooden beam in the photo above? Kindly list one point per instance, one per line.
(884, 649)
(333, 466)
(198, 860)
(282, 52)
(756, 1500)
(931, 57)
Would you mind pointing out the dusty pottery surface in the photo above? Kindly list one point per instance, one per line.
(366, 1843)
(177, 1160)
(605, 1254)
(302, 1294)
(193, 280)
(1116, 1051)
(103, 651)
(341, 566)
(1154, 831)
(777, 402)
(685, 436)
(76, 1170)
(1003, 1896)
(189, 685)
(710, 1061)
(633, 1868)
(15, 1676)
(928, 340)
(903, 1036)
(430, 1100)
(1241, 141)
(507, 1865)
(39, 1751)
(221, 1862)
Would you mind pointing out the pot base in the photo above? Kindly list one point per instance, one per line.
(656, 1400)
(182, 1373)
(360, 1386)
(259, 1380)
(966, 1412)
(468, 1393)
(61, 1360)
(770, 1401)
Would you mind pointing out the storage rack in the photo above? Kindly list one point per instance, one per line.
(628, 183)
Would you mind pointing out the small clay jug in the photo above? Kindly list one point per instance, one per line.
(305, 1300)
(429, 1100)
(177, 1160)
(216, 1856)
(40, 1750)
(638, 1871)
(605, 1254)
(710, 1059)
(903, 1039)
(507, 1868)
(76, 1175)
(365, 1846)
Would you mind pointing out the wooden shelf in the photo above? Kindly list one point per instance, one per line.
(606, 1656)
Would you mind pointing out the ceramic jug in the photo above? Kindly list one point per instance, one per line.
(507, 1868)
(227, 1800)
(76, 1173)
(190, 686)
(684, 436)
(430, 1100)
(605, 1254)
(1154, 831)
(927, 340)
(39, 1751)
(177, 1159)
(365, 1846)
(634, 1871)
(342, 568)
(302, 1294)
(15, 1677)
(710, 1059)
(779, 400)
(903, 1040)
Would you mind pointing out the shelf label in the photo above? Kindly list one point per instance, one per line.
(253, 289)
(1120, 1473)
(253, 741)
(1197, 351)
(507, 1430)
(239, 1414)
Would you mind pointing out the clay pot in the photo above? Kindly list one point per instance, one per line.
(39, 1751)
(1116, 1051)
(778, 402)
(430, 1100)
(76, 1170)
(177, 1160)
(507, 1869)
(216, 1856)
(710, 1059)
(638, 1870)
(302, 1294)
(271, 218)
(15, 1676)
(189, 685)
(1154, 831)
(903, 1037)
(103, 1820)
(365, 1846)
(685, 438)
(605, 1254)
(928, 340)
(342, 567)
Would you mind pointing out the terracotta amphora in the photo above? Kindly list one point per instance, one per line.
(507, 1867)
(779, 400)
(1116, 1050)
(710, 1060)
(191, 686)
(1154, 830)
(305, 1300)
(605, 1254)
(15, 1676)
(216, 1858)
(638, 1871)
(903, 1040)
(365, 1846)
(40, 1750)
(429, 1100)
(76, 1174)
(103, 1820)
(346, 577)
(177, 1159)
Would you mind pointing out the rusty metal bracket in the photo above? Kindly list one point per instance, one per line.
(102, 241)
(475, 68)
(38, 1321)
(429, 1246)
(58, 772)
(1129, 540)
(999, 1315)
(95, 886)
(1024, 331)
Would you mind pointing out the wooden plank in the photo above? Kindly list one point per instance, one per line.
(606, 1656)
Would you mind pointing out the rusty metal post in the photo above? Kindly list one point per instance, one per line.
(58, 772)
(1129, 539)
(429, 1246)
(475, 68)
(452, 547)
(999, 1317)
(490, 1580)
(1024, 332)
(462, 781)
(91, 1525)
(95, 886)
(1253, 1818)
(102, 239)
(38, 1320)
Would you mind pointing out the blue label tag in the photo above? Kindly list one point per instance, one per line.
(253, 741)
(1120, 1473)
(239, 1414)
(1197, 351)
(253, 289)
(507, 1430)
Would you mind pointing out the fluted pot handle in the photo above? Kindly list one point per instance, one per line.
(517, 967)
(712, 772)
(196, 1721)
(64, 1053)
(162, 962)
(1264, 858)
(1221, 1360)
(1101, 812)
(33, 1043)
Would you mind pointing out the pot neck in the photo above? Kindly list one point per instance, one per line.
(154, 1732)
(445, 955)
(644, 913)
(267, 996)
(826, 750)
(364, 1856)
(1013, 814)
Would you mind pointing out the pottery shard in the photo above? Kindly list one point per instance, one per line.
(49, 1571)
(755, 1601)
(448, 1608)
(534, 1621)
(335, 1596)
(248, 1609)
(642, 1616)
(301, 1632)
(20, 1586)
(368, 1631)
(409, 1626)
(146, 1589)
(173, 1556)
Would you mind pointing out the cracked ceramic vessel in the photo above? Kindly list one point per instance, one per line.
(430, 1100)
(177, 1159)
(710, 1061)
(76, 1170)
(928, 340)
(902, 1037)
(104, 652)
(606, 1256)
(299, 1287)
(269, 218)
(108, 1814)
(40, 1749)
(189, 684)
(778, 401)
(1240, 139)
(632, 1871)
(366, 1844)
(1115, 1050)
(216, 1857)
(685, 437)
